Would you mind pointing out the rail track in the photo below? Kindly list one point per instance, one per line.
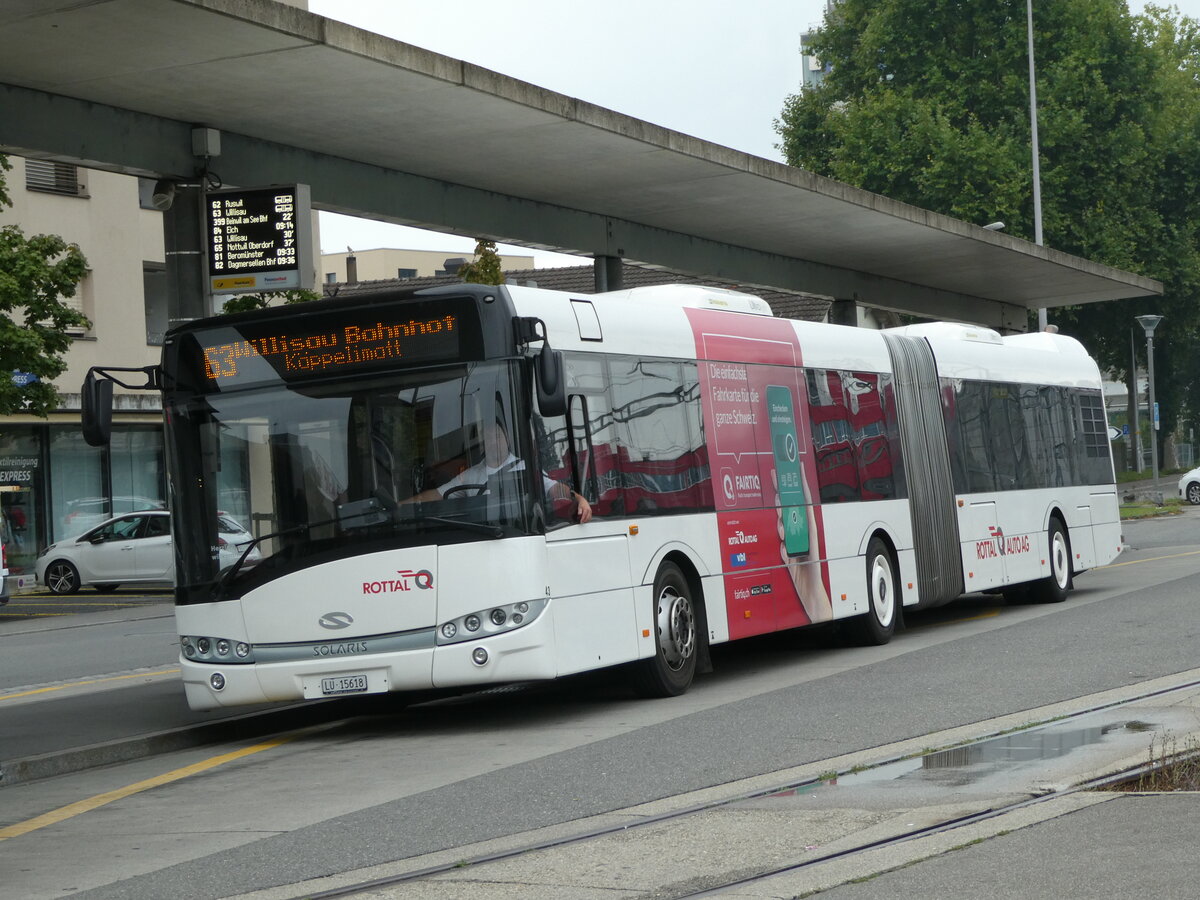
(803, 858)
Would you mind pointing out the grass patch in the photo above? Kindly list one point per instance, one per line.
(1171, 768)
(1144, 509)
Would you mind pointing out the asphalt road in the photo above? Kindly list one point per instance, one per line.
(380, 787)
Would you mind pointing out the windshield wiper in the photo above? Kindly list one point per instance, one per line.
(493, 531)
(479, 527)
(237, 565)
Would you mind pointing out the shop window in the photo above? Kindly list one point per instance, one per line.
(136, 467)
(78, 496)
(21, 484)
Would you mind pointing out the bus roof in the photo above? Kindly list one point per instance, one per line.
(695, 296)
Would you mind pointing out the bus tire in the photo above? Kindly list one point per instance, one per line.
(1054, 588)
(669, 672)
(878, 624)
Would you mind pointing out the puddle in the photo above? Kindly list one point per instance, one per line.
(971, 763)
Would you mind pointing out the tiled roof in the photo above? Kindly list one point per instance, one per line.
(581, 280)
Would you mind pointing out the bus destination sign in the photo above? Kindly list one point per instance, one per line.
(334, 343)
(259, 239)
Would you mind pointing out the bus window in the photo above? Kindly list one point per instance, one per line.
(659, 446)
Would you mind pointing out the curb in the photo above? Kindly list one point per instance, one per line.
(244, 727)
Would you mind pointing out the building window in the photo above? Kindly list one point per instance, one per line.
(83, 301)
(403, 274)
(331, 277)
(154, 290)
(53, 178)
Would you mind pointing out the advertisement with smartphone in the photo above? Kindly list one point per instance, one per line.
(759, 447)
(785, 449)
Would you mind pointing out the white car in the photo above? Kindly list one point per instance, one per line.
(131, 549)
(85, 512)
(1189, 486)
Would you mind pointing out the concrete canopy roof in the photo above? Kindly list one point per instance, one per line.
(390, 131)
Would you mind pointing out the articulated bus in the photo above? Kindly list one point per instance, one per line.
(744, 474)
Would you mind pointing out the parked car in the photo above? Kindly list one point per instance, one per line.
(131, 549)
(1189, 486)
(86, 512)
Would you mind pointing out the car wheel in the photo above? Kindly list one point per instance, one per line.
(62, 577)
(669, 672)
(1193, 493)
(105, 588)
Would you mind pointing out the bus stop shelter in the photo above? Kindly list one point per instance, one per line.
(386, 130)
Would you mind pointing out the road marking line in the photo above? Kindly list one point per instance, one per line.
(987, 615)
(74, 809)
(1134, 562)
(60, 687)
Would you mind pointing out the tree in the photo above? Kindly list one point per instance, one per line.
(485, 267)
(247, 302)
(927, 102)
(36, 274)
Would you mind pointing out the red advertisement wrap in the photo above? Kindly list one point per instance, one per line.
(764, 472)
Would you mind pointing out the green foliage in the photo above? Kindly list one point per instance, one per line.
(927, 101)
(485, 267)
(5, 165)
(36, 273)
(247, 302)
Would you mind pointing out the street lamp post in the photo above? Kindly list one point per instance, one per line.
(1033, 132)
(1149, 323)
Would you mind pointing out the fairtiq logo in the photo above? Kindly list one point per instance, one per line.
(408, 578)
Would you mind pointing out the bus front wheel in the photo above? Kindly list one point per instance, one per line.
(669, 672)
(1054, 588)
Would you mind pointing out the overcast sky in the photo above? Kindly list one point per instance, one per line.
(715, 69)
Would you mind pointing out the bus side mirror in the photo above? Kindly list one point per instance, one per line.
(96, 409)
(551, 387)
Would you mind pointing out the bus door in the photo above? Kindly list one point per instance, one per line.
(983, 546)
(590, 582)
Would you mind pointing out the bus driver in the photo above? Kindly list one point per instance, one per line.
(498, 457)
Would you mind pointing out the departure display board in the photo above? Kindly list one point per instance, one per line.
(334, 343)
(259, 239)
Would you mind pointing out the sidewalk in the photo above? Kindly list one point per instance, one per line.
(849, 836)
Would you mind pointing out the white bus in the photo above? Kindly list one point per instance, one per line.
(745, 474)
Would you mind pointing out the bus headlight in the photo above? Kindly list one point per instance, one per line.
(491, 621)
(207, 649)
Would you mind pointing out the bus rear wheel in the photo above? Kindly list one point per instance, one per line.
(878, 624)
(669, 672)
(1054, 588)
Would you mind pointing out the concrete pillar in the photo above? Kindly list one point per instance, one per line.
(183, 242)
(609, 273)
(843, 312)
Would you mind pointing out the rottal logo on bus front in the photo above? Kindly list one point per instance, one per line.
(422, 580)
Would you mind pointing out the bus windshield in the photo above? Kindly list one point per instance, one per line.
(317, 472)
